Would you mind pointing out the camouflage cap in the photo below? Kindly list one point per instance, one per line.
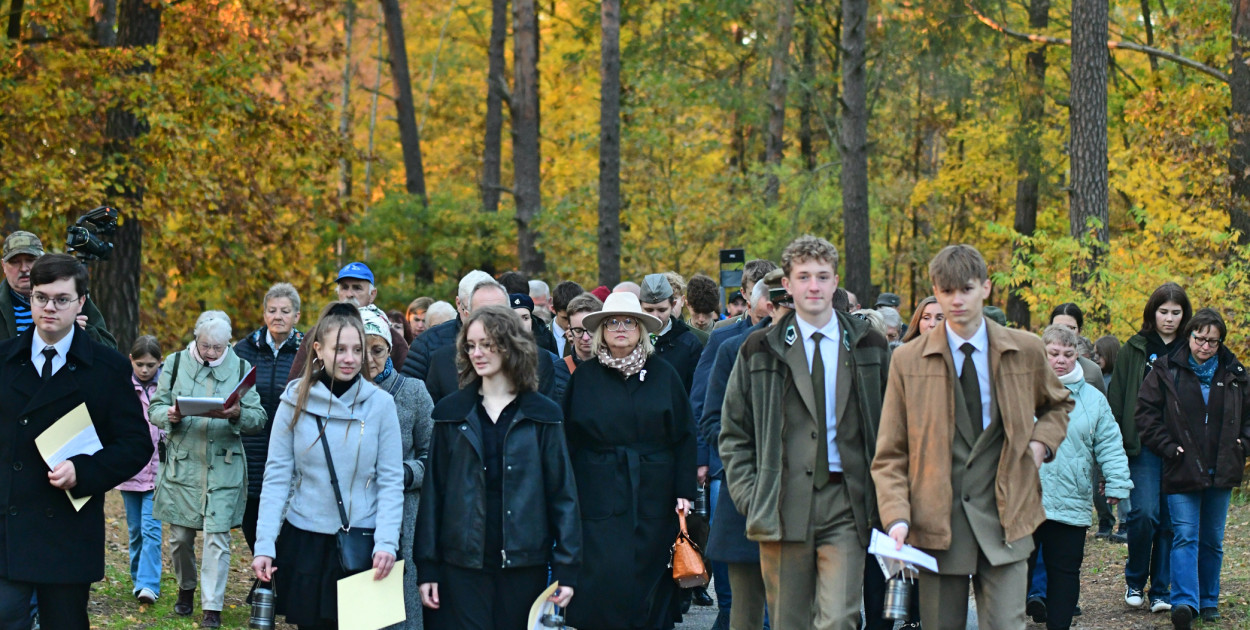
(22, 243)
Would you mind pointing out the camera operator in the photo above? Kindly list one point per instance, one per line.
(21, 249)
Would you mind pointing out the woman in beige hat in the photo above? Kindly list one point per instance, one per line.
(631, 439)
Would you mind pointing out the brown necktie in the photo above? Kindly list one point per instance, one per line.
(971, 385)
(821, 475)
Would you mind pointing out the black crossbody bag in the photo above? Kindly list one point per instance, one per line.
(355, 544)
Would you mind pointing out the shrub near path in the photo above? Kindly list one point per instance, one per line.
(1102, 584)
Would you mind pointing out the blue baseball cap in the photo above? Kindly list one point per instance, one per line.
(355, 271)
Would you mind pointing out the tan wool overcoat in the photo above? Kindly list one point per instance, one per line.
(912, 468)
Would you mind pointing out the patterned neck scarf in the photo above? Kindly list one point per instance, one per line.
(1204, 371)
(386, 372)
(630, 365)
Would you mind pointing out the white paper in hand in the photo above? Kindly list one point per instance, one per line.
(541, 607)
(892, 560)
(72, 435)
(368, 604)
(191, 406)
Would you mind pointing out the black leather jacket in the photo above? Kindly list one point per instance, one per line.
(542, 522)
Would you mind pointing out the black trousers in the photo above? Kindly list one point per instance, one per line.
(61, 606)
(1063, 548)
(250, 513)
(475, 599)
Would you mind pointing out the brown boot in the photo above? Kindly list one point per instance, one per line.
(212, 619)
(186, 602)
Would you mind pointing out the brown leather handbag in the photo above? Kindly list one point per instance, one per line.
(687, 560)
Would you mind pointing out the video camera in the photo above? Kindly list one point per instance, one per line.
(83, 237)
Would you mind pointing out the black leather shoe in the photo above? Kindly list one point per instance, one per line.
(1036, 608)
(186, 602)
(212, 619)
(701, 597)
(1210, 613)
(1182, 617)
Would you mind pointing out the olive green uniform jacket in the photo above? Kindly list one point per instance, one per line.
(768, 463)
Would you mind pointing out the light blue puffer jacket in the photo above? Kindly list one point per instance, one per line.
(1093, 436)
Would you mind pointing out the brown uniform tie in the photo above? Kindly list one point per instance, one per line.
(972, 388)
(821, 475)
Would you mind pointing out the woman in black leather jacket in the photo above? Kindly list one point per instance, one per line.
(499, 502)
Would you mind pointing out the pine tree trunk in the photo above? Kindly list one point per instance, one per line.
(853, 144)
(1087, 197)
(115, 283)
(808, 78)
(526, 154)
(1239, 123)
(345, 102)
(610, 145)
(496, 82)
(405, 111)
(1029, 161)
(774, 144)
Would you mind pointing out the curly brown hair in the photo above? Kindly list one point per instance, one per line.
(514, 343)
(702, 294)
(808, 248)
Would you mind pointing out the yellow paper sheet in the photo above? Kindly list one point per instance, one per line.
(72, 435)
(366, 604)
(541, 606)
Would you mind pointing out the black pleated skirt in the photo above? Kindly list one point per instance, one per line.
(306, 584)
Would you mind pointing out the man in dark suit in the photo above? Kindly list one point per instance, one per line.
(46, 546)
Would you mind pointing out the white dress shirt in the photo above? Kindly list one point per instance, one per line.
(980, 358)
(62, 349)
(829, 349)
(558, 333)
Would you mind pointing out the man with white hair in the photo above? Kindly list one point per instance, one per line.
(418, 366)
(541, 294)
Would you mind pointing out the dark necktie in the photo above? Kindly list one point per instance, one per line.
(821, 476)
(972, 388)
(48, 353)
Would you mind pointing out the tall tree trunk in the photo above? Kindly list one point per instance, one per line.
(1087, 196)
(853, 144)
(1029, 161)
(610, 145)
(104, 13)
(808, 79)
(115, 283)
(774, 143)
(1239, 123)
(345, 102)
(14, 30)
(526, 154)
(496, 85)
(373, 110)
(1150, 33)
(405, 112)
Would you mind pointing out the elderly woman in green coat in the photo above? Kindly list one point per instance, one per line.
(202, 483)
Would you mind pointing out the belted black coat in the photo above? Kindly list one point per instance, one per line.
(42, 538)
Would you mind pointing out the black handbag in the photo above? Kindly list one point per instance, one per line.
(355, 544)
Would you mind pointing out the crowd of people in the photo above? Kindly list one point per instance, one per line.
(520, 434)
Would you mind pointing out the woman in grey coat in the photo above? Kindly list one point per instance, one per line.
(414, 406)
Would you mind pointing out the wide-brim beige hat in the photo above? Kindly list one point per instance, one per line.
(626, 304)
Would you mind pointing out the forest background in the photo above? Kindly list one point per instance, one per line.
(248, 142)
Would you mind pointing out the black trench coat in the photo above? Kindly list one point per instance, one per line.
(632, 443)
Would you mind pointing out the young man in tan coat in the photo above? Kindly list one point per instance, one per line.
(959, 448)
